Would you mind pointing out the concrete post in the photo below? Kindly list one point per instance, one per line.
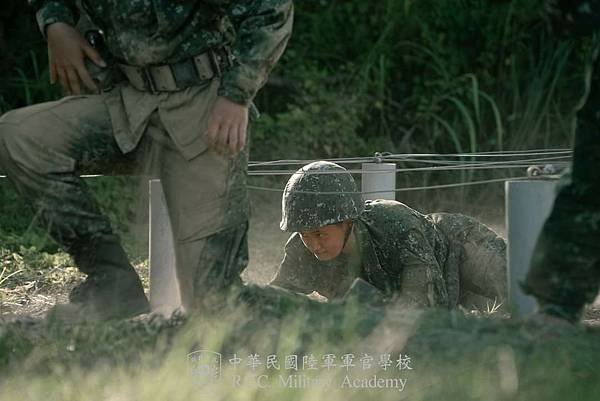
(379, 180)
(164, 290)
(528, 204)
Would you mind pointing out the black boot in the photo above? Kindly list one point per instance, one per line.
(112, 289)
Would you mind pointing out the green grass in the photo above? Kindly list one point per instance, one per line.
(402, 80)
(409, 77)
(454, 355)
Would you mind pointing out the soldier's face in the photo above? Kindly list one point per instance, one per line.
(326, 242)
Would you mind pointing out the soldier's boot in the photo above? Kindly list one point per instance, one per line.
(111, 290)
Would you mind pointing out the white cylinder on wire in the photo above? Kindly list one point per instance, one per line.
(164, 289)
(528, 204)
(379, 181)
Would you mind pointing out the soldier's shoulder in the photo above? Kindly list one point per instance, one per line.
(382, 211)
(391, 218)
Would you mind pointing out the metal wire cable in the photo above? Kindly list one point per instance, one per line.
(440, 186)
(448, 162)
(535, 160)
(405, 156)
(473, 162)
(464, 166)
(421, 169)
(511, 153)
(525, 159)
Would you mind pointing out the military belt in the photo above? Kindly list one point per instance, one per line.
(178, 76)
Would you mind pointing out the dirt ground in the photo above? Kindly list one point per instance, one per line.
(266, 240)
(266, 243)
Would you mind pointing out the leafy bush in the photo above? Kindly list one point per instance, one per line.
(392, 75)
(320, 123)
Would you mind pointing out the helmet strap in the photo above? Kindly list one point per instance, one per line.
(347, 235)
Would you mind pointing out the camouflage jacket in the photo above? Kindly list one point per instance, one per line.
(400, 251)
(143, 32)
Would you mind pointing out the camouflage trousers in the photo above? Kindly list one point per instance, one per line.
(565, 267)
(475, 268)
(44, 149)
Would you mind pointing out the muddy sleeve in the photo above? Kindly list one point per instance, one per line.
(292, 273)
(420, 276)
(263, 28)
(51, 11)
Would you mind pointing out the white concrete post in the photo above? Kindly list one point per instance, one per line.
(528, 204)
(379, 180)
(164, 290)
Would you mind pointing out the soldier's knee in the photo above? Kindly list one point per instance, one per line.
(4, 133)
(9, 133)
(17, 146)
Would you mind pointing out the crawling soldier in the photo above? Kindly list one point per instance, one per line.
(439, 259)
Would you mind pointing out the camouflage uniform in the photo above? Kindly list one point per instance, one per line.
(438, 259)
(565, 269)
(43, 148)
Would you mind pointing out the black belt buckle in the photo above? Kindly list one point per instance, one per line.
(215, 61)
(185, 73)
(220, 58)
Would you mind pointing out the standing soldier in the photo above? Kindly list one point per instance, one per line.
(190, 70)
(439, 259)
(565, 267)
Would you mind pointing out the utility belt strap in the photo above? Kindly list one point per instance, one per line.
(181, 75)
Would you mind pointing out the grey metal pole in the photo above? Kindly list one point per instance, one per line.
(379, 181)
(528, 204)
(164, 289)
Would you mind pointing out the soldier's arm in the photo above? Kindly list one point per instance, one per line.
(287, 277)
(263, 29)
(52, 11)
(291, 274)
(420, 277)
(67, 48)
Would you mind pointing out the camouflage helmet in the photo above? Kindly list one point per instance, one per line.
(305, 207)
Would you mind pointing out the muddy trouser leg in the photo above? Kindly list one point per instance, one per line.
(565, 267)
(43, 150)
(483, 270)
(481, 258)
(208, 207)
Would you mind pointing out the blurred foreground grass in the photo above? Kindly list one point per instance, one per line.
(453, 355)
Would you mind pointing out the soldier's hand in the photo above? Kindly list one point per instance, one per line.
(67, 50)
(227, 126)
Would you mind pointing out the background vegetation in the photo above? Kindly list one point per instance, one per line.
(359, 77)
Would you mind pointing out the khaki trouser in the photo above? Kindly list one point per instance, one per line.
(44, 148)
